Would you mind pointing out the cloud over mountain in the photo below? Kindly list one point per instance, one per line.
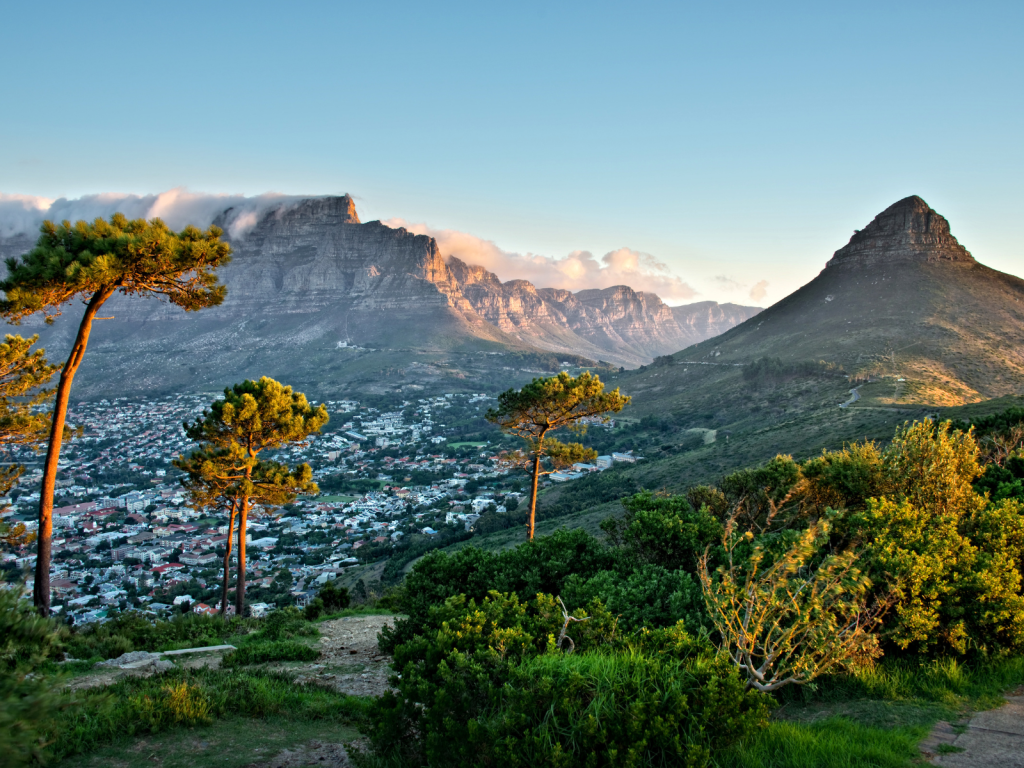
(22, 214)
(576, 271)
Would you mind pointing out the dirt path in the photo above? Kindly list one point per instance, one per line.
(992, 739)
(350, 660)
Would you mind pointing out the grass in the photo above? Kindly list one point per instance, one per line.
(359, 610)
(229, 743)
(338, 498)
(833, 743)
(136, 707)
(463, 445)
(875, 717)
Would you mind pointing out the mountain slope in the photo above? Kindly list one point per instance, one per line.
(905, 300)
(320, 298)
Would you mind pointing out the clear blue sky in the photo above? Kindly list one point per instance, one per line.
(738, 139)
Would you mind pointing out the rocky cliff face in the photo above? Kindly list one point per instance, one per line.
(707, 319)
(908, 230)
(309, 277)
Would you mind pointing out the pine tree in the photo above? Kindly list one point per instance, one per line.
(546, 405)
(92, 262)
(253, 417)
(23, 374)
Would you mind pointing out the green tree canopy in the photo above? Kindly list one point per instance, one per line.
(546, 405)
(23, 376)
(227, 472)
(92, 262)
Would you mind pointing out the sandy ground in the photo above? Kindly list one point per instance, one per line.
(350, 661)
(317, 753)
(992, 739)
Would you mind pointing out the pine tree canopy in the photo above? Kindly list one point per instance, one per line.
(548, 404)
(104, 257)
(257, 415)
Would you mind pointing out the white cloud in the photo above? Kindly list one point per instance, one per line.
(177, 207)
(577, 271)
(725, 283)
(759, 291)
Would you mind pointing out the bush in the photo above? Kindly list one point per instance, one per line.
(285, 623)
(314, 609)
(622, 709)
(451, 673)
(334, 598)
(28, 700)
(542, 565)
(486, 684)
(651, 596)
(135, 631)
(664, 531)
(263, 651)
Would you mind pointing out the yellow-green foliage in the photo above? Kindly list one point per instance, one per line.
(950, 558)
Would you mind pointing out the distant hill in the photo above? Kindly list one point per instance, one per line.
(322, 300)
(903, 299)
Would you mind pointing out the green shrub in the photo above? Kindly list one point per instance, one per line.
(650, 596)
(28, 700)
(333, 597)
(135, 631)
(314, 609)
(664, 530)
(542, 565)
(263, 651)
(450, 674)
(285, 623)
(622, 709)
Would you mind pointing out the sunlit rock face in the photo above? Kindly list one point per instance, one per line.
(308, 276)
(908, 230)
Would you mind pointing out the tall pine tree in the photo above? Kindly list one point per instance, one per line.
(23, 376)
(253, 417)
(92, 262)
(546, 405)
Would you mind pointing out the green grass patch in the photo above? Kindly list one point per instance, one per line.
(230, 743)
(463, 445)
(262, 652)
(357, 611)
(875, 717)
(191, 699)
(833, 743)
(344, 499)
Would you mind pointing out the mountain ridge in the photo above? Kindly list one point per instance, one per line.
(905, 300)
(309, 275)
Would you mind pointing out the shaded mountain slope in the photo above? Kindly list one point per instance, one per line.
(903, 299)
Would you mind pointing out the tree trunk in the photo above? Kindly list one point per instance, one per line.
(41, 588)
(533, 496)
(227, 559)
(243, 518)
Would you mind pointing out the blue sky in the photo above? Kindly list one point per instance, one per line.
(734, 142)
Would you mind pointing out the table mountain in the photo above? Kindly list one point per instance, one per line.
(311, 289)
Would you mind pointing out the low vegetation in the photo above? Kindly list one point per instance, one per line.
(817, 612)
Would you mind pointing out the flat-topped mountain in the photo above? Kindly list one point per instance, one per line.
(308, 282)
(903, 298)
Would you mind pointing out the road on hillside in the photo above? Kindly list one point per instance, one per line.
(854, 396)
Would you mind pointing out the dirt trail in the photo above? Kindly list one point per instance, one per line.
(350, 661)
(992, 739)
